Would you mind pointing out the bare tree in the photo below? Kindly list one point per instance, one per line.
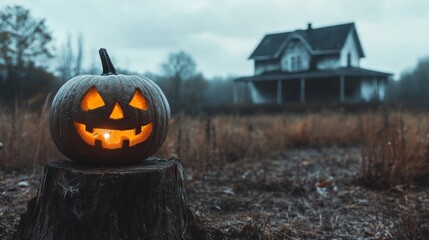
(23, 39)
(79, 51)
(65, 60)
(25, 48)
(194, 90)
(178, 67)
(70, 63)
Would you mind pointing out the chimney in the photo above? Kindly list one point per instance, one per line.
(309, 27)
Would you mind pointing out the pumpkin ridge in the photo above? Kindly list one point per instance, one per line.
(152, 109)
(165, 109)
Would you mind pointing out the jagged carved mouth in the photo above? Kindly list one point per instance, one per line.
(111, 138)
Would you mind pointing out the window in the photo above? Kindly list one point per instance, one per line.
(293, 63)
(296, 63)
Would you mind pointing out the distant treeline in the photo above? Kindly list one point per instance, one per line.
(413, 85)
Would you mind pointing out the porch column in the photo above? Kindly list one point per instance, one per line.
(279, 91)
(375, 86)
(249, 96)
(302, 90)
(235, 92)
(342, 89)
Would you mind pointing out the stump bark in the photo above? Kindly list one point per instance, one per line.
(143, 201)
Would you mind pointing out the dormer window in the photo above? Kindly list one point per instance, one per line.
(296, 63)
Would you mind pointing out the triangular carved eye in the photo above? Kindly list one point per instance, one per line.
(91, 100)
(139, 101)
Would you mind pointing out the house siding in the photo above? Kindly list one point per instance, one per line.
(327, 62)
(372, 90)
(266, 66)
(350, 47)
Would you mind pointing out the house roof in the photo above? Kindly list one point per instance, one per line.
(322, 40)
(326, 73)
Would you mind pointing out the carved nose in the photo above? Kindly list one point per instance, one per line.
(117, 112)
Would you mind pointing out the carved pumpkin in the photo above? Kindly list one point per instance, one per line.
(109, 118)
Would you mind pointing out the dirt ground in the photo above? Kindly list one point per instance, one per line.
(300, 194)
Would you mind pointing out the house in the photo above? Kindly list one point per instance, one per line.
(315, 64)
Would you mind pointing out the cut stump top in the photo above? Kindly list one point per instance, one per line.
(147, 165)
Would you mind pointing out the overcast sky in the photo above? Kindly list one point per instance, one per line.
(221, 34)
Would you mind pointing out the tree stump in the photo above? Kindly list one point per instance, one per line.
(142, 201)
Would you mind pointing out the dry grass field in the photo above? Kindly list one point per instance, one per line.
(319, 175)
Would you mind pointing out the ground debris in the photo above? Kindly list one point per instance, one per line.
(16, 189)
(302, 194)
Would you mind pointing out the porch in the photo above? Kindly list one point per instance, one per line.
(333, 85)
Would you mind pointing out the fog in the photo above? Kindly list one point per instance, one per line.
(220, 35)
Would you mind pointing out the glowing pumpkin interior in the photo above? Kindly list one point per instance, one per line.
(113, 138)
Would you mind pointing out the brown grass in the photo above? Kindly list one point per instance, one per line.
(396, 150)
(25, 137)
(407, 221)
(210, 142)
(394, 145)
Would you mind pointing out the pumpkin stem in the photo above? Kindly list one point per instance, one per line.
(108, 68)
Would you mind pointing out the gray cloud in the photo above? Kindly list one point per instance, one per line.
(221, 34)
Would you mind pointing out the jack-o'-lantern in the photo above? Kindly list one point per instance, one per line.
(109, 118)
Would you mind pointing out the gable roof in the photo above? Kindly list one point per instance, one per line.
(322, 40)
